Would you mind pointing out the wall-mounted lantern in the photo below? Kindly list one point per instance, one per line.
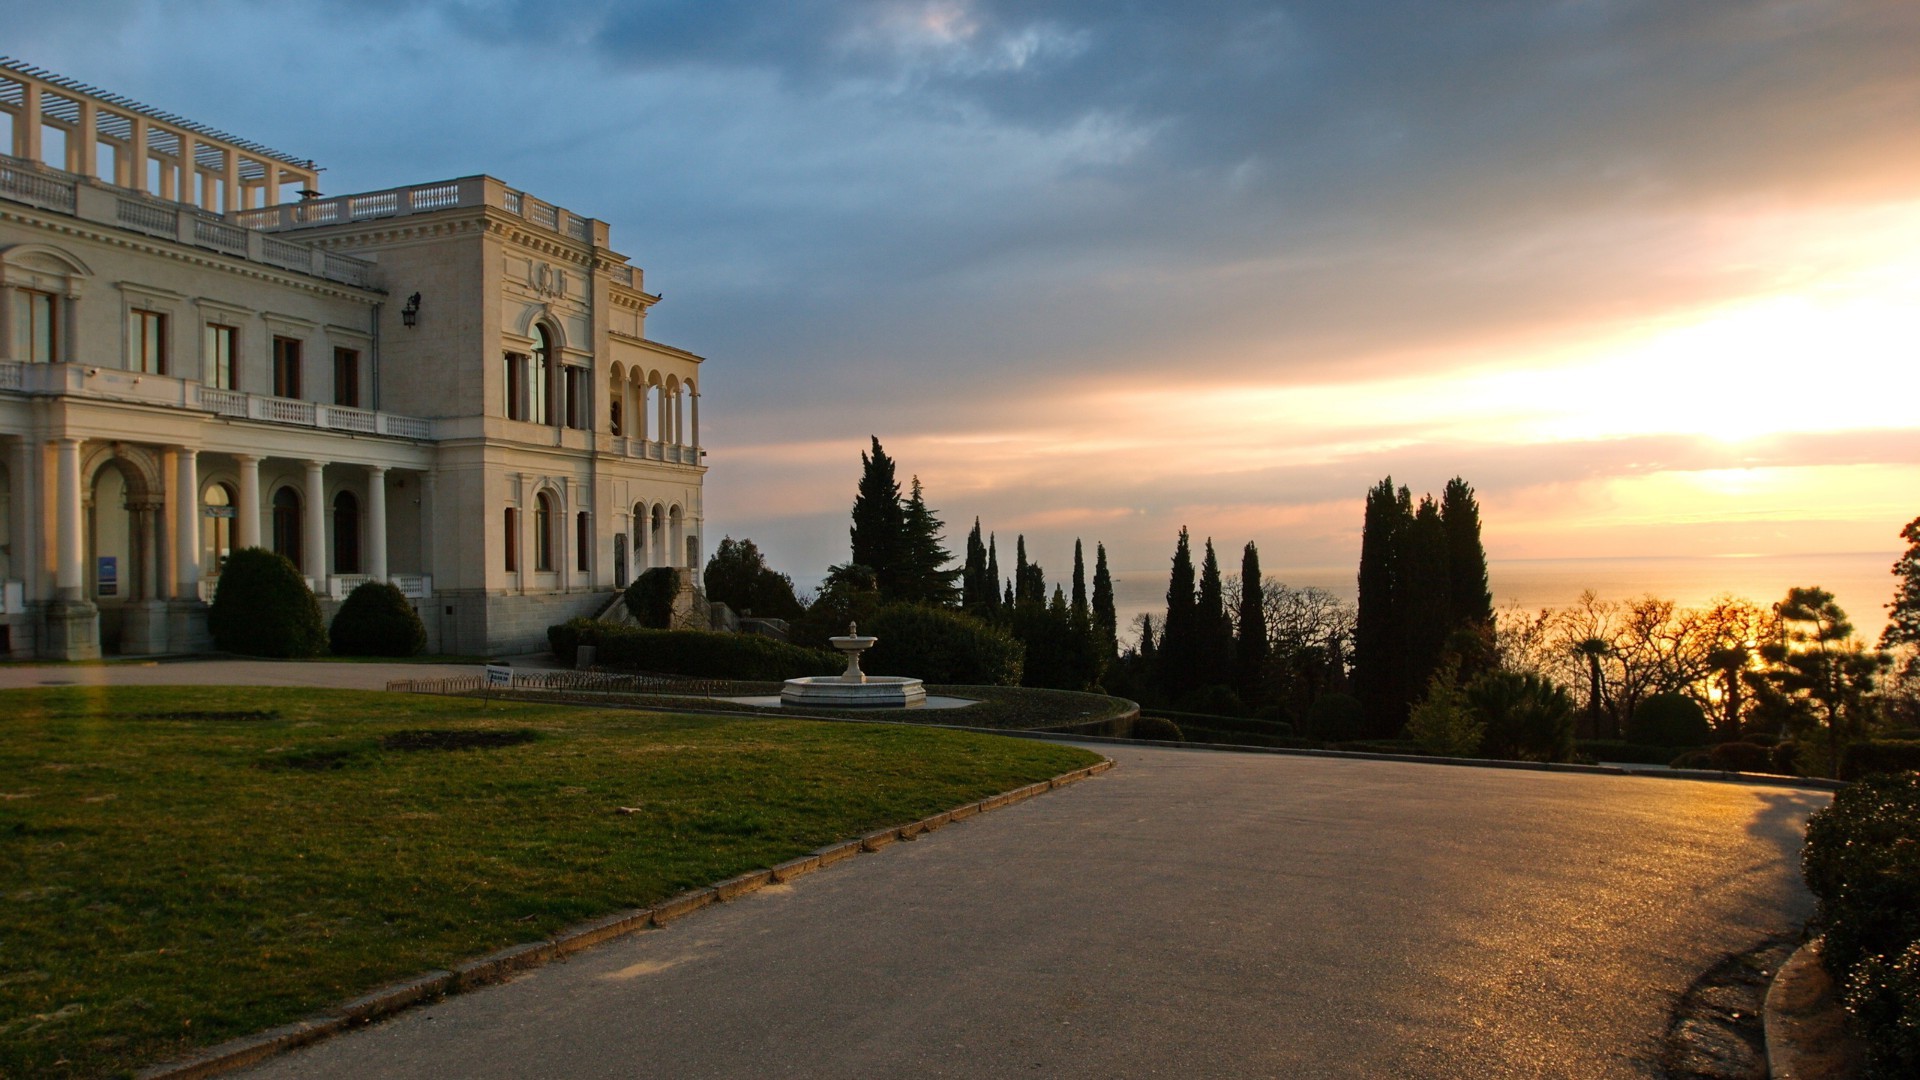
(411, 313)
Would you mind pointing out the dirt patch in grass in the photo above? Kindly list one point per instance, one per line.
(457, 739)
(210, 714)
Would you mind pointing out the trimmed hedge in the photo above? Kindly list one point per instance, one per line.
(1740, 757)
(1333, 717)
(698, 653)
(1862, 861)
(1626, 753)
(937, 645)
(264, 608)
(650, 598)
(376, 620)
(1671, 720)
(1869, 758)
(1155, 729)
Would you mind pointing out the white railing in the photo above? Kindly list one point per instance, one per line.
(288, 411)
(146, 217)
(13, 598)
(345, 419)
(220, 236)
(405, 427)
(413, 586)
(23, 181)
(223, 402)
(12, 376)
(378, 204)
(340, 585)
(623, 275)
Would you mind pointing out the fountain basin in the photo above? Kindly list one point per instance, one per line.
(871, 692)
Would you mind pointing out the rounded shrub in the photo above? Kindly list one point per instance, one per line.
(1528, 718)
(1215, 700)
(264, 608)
(650, 597)
(938, 645)
(1668, 720)
(1155, 729)
(1741, 757)
(1336, 718)
(376, 620)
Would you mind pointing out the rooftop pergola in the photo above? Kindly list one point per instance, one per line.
(123, 142)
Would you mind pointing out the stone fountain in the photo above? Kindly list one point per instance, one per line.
(853, 688)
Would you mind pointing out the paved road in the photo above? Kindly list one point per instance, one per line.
(341, 676)
(1188, 914)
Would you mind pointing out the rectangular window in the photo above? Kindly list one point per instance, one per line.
(583, 544)
(220, 354)
(513, 540)
(147, 342)
(286, 367)
(516, 387)
(36, 326)
(346, 377)
(572, 380)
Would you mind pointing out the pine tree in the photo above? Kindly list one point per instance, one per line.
(1180, 632)
(1470, 602)
(1250, 651)
(1903, 615)
(1105, 620)
(1376, 630)
(975, 586)
(923, 577)
(1215, 652)
(879, 520)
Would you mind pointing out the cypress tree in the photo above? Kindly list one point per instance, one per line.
(994, 607)
(975, 585)
(1149, 649)
(1423, 608)
(1469, 600)
(1006, 602)
(879, 520)
(1215, 651)
(1029, 580)
(1105, 620)
(1375, 632)
(923, 576)
(1180, 633)
(1250, 651)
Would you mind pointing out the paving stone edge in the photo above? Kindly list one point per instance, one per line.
(497, 967)
(1806, 1037)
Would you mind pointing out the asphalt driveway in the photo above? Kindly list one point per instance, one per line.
(1189, 913)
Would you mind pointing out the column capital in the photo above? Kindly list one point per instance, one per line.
(377, 470)
(247, 459)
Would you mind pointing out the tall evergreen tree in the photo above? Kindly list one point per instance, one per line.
(1029, 580)
(975, 585)
(1470, 601)
(1251, 650)
(1105, 620)
(1181, 637)
(1423, 607)
(1903, 615)
(1080, 608)
(994, 605)
(879, 520)
(1376, 630)
(923, 577)
(1215, 653)
(1006, 602)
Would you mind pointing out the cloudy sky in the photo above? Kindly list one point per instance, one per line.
(1646, 272)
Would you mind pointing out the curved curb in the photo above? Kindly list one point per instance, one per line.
(500, 966)
(1806, 1030)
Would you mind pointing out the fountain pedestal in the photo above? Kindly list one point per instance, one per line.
(853, 688)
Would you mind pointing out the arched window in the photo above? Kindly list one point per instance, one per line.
(616, 402)
(538, 376)
(346, 533)
(543, 531)
(286, 524)
(217, 540)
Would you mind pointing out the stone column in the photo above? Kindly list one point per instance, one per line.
(133, 172)
(29, 522)
(314, 524)
(246, 516)
(427, 491)
(186, 518)
(696, 420)
(83, 146)
(680, 416)
(377, 522)
(67, 574)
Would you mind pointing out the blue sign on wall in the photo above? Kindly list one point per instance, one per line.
(109, 576)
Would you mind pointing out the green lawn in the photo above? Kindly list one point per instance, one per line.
(179, 866)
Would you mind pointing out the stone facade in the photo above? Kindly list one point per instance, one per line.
(447, 386)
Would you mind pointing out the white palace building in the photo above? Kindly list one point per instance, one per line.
(446, 386)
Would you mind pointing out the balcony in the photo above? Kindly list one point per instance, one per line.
(114, 384)
(24, 181)
(646, 450)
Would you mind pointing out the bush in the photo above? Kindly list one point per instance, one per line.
(376, 620)
(697, 653)
(1527, 717)
(938, 645)
(1626, 753)
(1869, 758)
(264, 608)
(1216, 700)
(1442, 722)
(1692, 759)
(1786, 759)
(1740, 757)
(650, 598)
(1668, 720)
(1863, 864)
(1336, 717)
(1155, 729)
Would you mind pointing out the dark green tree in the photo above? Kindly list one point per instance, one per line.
(1469, 600)
(264, 608)
(1819, 677)
(1380, 682)
(1105, 620)
(995, 604)
(738, 576)
(977, 590)
(923, 577)
(376, 620)
(1029, 580)
(1422, 610)
(1903, 615)
(1216, 629)
(1181, 636)
(1250, 650)
(1080, 608)
(879, 521)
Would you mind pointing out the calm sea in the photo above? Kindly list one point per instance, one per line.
(1862, 582)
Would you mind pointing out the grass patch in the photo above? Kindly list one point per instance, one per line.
(1003, 708)
(170, 878)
